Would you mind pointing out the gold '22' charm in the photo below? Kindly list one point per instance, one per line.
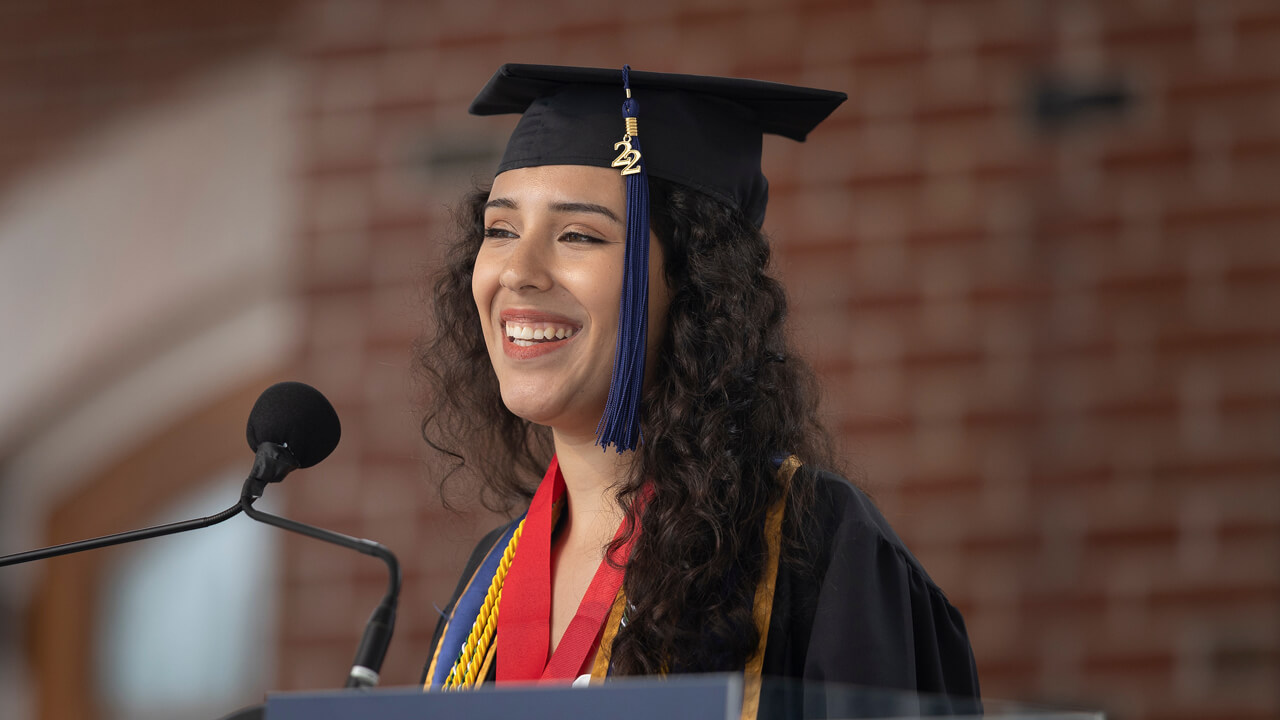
(628, 158)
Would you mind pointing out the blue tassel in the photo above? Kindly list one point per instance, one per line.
(620, 424)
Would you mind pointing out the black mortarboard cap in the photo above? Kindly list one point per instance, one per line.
(701, 132)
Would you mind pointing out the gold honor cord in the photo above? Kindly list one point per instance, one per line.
(763, 609)
(466, 671)
(600, 668)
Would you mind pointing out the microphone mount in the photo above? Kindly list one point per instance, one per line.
(377, 635)
(271, 463)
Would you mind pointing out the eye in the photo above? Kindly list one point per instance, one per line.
(496, 232)
(577, 237)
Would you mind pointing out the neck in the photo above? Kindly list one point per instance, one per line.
(591, 474)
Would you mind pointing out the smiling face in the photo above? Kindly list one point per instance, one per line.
(547, 283)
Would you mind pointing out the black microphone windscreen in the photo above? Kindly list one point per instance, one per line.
(297, 416)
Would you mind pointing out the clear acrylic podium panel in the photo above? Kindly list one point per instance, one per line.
(687, 697)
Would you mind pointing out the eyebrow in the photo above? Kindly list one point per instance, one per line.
(577, 207)
(564, 207)
(505, 203)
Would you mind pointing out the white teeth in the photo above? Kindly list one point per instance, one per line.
(526, 332)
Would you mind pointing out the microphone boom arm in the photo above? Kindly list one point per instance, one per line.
(118, 538)
(271, 463)
(377, 634)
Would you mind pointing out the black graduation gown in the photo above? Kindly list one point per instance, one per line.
(863, 612)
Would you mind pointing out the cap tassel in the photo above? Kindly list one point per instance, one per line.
(620, 424)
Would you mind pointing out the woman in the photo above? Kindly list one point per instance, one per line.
(701, 544)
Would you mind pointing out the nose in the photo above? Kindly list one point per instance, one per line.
(527, 265)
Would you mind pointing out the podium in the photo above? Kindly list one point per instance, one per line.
(683, 697)
(708, 697)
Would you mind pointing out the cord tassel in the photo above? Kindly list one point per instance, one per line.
(620, 424)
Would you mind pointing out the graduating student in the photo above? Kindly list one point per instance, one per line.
(610, 350)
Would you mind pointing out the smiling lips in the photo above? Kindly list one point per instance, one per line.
(525, 337)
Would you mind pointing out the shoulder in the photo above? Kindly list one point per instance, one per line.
(486, 544)
(843, 513)
(871, 613)
(478, 555)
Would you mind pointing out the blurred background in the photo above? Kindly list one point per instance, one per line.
(1035, 259)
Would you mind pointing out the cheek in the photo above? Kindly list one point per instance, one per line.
(596, 284)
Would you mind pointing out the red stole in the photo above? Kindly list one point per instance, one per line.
(524, 617)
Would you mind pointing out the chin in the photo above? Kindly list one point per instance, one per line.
(533, 409)
(541, 410)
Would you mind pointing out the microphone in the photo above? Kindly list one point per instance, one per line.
(307, 444)
(291, 426)
(297, 416)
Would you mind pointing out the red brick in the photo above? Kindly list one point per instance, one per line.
(1184, 340)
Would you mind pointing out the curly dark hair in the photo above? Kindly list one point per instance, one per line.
(726, 399)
